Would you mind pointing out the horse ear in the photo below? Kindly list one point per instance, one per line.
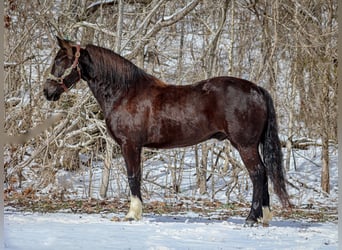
(65, 44)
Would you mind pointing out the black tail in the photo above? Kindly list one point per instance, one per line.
(272, 155)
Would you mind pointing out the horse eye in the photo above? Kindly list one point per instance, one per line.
(57, 63)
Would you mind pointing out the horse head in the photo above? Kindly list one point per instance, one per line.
(65, 72)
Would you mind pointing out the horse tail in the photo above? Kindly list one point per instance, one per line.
(271, 152)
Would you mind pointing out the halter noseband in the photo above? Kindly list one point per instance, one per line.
(68, 71)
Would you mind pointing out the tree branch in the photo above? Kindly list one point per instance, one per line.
(162, 23)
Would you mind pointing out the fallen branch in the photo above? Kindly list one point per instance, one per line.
(23, 138)
(60, 130)
(15, 64)
(317, 190)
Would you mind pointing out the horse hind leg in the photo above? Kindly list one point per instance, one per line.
(260, 208)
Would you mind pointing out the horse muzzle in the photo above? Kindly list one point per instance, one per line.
(52, 92)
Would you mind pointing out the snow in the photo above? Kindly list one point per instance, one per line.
(95, 231)
(185, 230)
(158, 171)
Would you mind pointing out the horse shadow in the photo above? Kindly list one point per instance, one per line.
(237, 221)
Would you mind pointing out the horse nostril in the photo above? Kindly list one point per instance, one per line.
(45, 93)
(52, 94)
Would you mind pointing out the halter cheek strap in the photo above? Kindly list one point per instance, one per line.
(68, 71)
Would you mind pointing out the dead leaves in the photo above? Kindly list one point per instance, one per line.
(28, 200)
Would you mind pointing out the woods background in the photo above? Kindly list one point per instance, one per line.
(287, 46)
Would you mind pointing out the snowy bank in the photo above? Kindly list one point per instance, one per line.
(83, 231)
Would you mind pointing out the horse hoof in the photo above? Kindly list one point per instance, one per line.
(250, 223)
(128, 219)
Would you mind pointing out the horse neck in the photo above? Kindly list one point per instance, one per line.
(108, 75)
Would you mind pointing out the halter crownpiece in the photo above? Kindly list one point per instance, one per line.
(68, 71)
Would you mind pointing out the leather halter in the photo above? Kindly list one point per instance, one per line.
(68, 71)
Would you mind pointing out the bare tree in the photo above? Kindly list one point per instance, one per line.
(289, 47)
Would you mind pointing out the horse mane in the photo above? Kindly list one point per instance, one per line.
(117, 70)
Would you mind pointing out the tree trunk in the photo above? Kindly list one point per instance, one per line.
(119, 27)
(106, 169)
(202, 170)
(325, 178)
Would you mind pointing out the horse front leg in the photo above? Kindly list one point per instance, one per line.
(132, 156)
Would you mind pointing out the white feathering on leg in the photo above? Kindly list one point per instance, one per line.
(135, 209)
(266, 216)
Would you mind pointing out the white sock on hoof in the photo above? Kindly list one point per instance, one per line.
(135, 209)
(266, 215)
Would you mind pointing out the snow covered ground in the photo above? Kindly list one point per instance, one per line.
(64, 231)
(186, 230)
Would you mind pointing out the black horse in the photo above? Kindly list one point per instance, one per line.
(142, 111)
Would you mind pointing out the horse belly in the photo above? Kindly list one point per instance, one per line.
(185, 130)
(176, 142)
